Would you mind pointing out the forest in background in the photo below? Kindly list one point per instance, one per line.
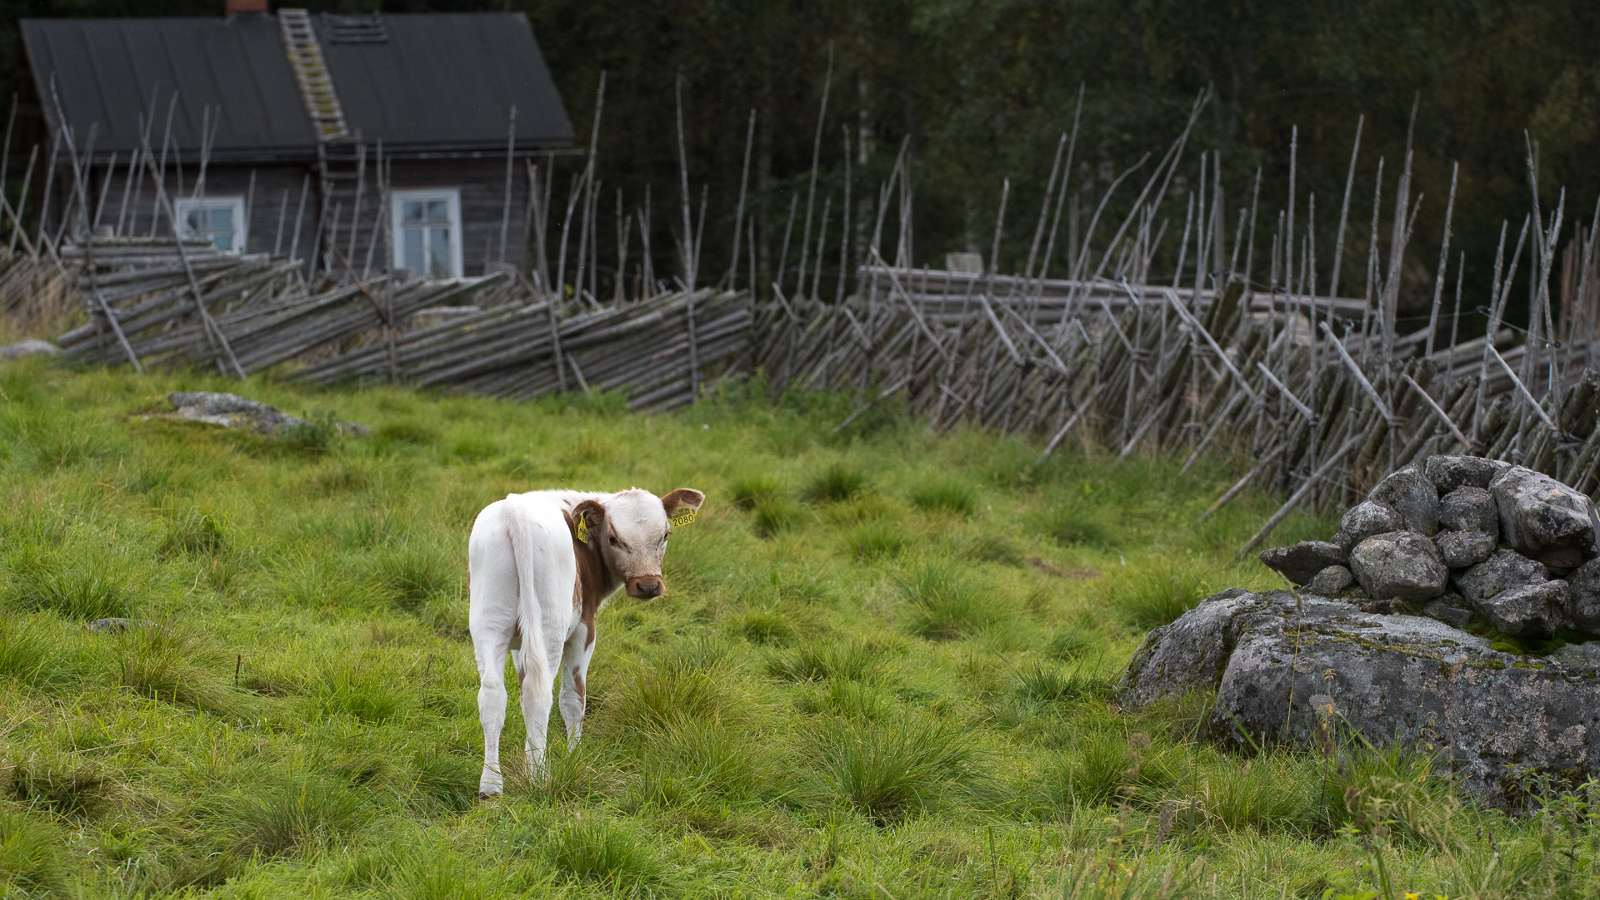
(982, 91)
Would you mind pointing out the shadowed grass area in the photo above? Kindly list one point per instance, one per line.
(886, 667)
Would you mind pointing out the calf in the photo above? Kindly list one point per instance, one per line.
(539, 566)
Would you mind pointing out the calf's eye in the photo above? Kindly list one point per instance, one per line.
(614, 541)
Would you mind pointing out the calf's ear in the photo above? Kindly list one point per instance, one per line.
(591, 513)
(682, 499)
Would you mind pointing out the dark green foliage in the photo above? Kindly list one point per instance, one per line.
(31, 855)
(316, 435)
(1043, 683)
(889, 770)
(751, 490)
(839, 481)
(876, 540)
(197, 532)
(945, 494)
(834, 659)
(946, 602)
(279, 815)
(594, 850)
(1154, 595)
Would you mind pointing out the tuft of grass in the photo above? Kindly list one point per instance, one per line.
(692, 760)
(177, 667)
(945, 494)
(760, 627)
(774, 514)
(1073, 643)
(1078, 525)
(363, 690)
(32, 862)
(197, 533)
(597, 851)
(1042, 683)
(1154, 592)
(30, 653)
(278, 816)
(82, 589)
(945, 603)
(840, 481)
(988, 547)
(317, 435)
(669, 693)
(1103, 765)
(890, 770)
(59, 786)
(750, 491)
(413, 572)
(833, 660)
(876, 540)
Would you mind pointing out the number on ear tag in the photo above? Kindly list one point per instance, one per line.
(684, 517)
(583, 529)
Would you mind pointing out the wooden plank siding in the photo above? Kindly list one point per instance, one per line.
(277, 190)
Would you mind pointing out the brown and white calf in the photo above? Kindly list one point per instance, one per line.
(540, 565)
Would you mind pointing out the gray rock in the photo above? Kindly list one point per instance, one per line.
(1450, 615)
(1502, 571)
(1331, 582)
(1399, 565)
(112, 625)
(1408, 492)
(1364, 520)
(1450, 472)
(1470, 509)
(1515, 594)
(1583, 610)
(233, 411)
(1544, 519)
(30, 347)
(1278, 672)
(1301, 562)
(1579, 657)
(1535, 610)
(1461, 549)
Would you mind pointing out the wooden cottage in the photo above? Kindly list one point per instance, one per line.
(263, 132)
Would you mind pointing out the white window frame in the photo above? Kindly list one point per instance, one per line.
(241, 225)
(452, 198)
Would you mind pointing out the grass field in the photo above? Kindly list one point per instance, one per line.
(885, 669)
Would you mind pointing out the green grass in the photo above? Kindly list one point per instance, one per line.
(885, 668)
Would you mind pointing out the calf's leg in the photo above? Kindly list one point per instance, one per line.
(574, 678)
(490, 650)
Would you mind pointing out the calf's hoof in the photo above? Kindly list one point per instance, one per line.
(488, 795)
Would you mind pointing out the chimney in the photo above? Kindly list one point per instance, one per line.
(246, 6)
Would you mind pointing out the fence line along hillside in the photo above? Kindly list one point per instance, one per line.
(1227, 336)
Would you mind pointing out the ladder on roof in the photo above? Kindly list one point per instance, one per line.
(316, 85)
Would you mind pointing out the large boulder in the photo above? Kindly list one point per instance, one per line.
(1364, 520)
(1544, 519)
(1301, 562)
(1278, 668)
(1451, 472)
(1516, 594)
(1461, 549)
(233, 411)
(1399, 565)
(1408, 492)
(1470, 509)
(27, 348)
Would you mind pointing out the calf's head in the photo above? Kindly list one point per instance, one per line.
(630, 530)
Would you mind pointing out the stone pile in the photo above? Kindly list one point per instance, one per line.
(1456, 536)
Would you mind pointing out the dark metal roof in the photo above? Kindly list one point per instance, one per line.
(445, 82)
(107, 72)
(434, 84)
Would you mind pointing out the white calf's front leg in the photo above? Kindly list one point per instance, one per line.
(574, 678)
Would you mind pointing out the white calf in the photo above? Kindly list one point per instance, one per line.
(539, 567)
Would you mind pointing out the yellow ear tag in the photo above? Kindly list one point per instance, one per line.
(583, 529)
(684, 517)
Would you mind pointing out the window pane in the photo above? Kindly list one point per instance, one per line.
(412, 210)
(411, 250)
(223, 241)
(439, 252)
(438, 211)
(191, 221)
(220, 219)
